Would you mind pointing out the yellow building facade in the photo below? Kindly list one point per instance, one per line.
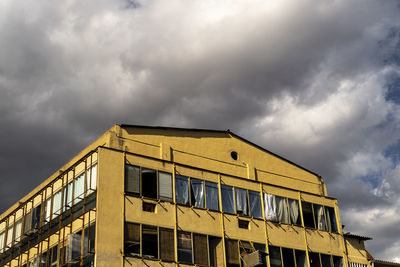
(159, 196)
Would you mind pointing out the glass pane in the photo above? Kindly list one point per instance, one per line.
(197, 193)
(319, 217)
(149, 183)
(2, 239)
(10, 235)
(212, 196)
(167, 251)
(331, 219)
(182, 189)
(288, 257)
(200, 249)
(227, 199)
(48, 210)
(165, 186)
(79, 188)
(18, 228)
(241, 201)
(132, 179)
(232, 252)
(57, 200)
(301, 259)
(282, 209)
(308, 214)
(91, 179)
(184, 247)
(255, 204)
(294, 211)
(275, 256)
(270, 208)
(314, 259)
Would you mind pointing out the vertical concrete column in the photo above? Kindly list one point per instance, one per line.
(110, 199)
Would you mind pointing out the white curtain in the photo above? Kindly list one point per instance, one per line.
(282, 209)
(319, 210)
(56, 203)
(91, 178)
(198, 192)
(79, 188)
(270, 207)
(2, 235)
(9, 235)
(18, 228)
(241, 201)
(48, 209)
(294, 210)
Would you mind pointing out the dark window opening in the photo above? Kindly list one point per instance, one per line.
(89, 239)
(53, 256)
(214, 243)
(308, 214)
(149, 245)
(232, 253)
(301, 259)
(149, 207)
(275, 256)
(244, 224)
(337, 261)
(331, 219)
(185, 247)
(149, 181)
(288, 257)
(36, 217)
(326, 260)
(314, 259)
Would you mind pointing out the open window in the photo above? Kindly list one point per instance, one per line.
(185, 254)
(53, 255)
(319, 216)
(91, 179)
(270, 208)
(215, 248)
(331, 219)
(89, 239)
(150, 242)
(301, 259)
(212, 198)
(18, 230)
(308, 214)
(227, 199)
(149, 183)
(326, 260)
(288, 257)
(314, 259)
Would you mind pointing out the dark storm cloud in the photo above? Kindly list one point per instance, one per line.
(305, 79)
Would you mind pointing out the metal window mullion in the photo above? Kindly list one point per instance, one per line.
(205, 196)
(282, 263)
(189, 191)
(313, 215)
(234, 199)
(158, 243)
(157, 184)
(288, 210)
(208, 250)
(294, 257)
(191, 235)
(248, 203)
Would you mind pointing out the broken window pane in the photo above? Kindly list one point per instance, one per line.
(132, 239)
(167, 246)
(241, 201)
(149, 242)
(288, 257)
(227, 199)
(132, 179)
(197, 193)
(165, 186)
(307, 214)
(319, 217)
(182, 189)
(294, 211)
(184, 247)
(255, 204)
(149, 183)
(232, 252)
(282, 209)
(270, 207)
(331, 219)
(200, 249)
(212, 196)
(275, 256)
(301, 259)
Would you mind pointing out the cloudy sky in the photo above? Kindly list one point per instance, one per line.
(315, 81)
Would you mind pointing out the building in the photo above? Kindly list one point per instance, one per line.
(158, 196)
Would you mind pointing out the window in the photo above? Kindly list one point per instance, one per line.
(331, 219)
(148, 183)
(212, 198)
(185, 247)
(27, 222)
(167, 246)
(10, 235)
(132, 239)
(149, 207)
(149, 243)
(47, 210)
(53, 255)
(319, 217)
(243, 224)
(73, 247)
(227, 199)
(165, 186)
(255, 204)
(242, 206)
(232, 252)
(287, 257)
(89, 234)
(68, 196)
(197, 192)
(324, 260)
(57, 202)
(314, 259)
(79, 188)
(200, 249)
(36, 217)
(2, 240)
(308, 214)
(282, 209)
(91, 179)
(214, 243)
(17, 231)
(182, 189)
